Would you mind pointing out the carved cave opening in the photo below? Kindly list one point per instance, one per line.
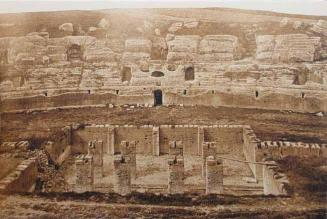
(189, 73)
(157, 97)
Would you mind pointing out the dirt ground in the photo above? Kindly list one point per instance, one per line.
(267, 124)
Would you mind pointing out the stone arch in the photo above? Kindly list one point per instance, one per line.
(189, 73)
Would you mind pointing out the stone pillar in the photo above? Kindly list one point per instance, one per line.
(176, 148)
(176, 175)
(84, 173)
(200, 139)
(122, 175)
(128, 149)
(111, 140)
(208, 149)
(155, 141)
(214, 176)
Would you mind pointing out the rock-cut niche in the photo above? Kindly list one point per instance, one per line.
(189, 73)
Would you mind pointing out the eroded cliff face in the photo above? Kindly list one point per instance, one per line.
(122, 52)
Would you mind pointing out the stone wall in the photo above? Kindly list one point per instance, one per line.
(252, 152)
(128, 151)
(274, 181)
(279, 149)
(11, 146)
(186, 134)
(228, 139)
(84, 173)
(151, 142)
(22, 179)
(122, 174)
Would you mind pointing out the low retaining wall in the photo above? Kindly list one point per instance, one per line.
(22, 178)
(271, 98)
(153, 139)
(10, 146)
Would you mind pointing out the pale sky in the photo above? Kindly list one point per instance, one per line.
(309, 7)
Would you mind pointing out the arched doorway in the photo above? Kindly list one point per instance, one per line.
(189, 74)
(157, 94)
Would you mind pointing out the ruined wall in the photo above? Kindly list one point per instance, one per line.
(251, 150)
(22, 178)
(229, 139)
(279, 149)
(142, 135)
(187, 134)
(252, 97)
(59, 148)
(274, 181)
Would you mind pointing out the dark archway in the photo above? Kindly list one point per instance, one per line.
(189, 74)
(157, 94)
(126, 74)
(157, 74)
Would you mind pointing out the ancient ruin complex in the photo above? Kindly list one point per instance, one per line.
(185, 105)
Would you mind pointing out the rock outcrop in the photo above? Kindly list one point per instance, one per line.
(320, 27)
(288, 48)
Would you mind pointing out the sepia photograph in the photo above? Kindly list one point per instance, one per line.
(163, 109)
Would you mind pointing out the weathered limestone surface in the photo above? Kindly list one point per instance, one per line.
(288, 48)
(42, 71)
(218, 48)
(138, 45)
(274, 182)
(320, 27)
